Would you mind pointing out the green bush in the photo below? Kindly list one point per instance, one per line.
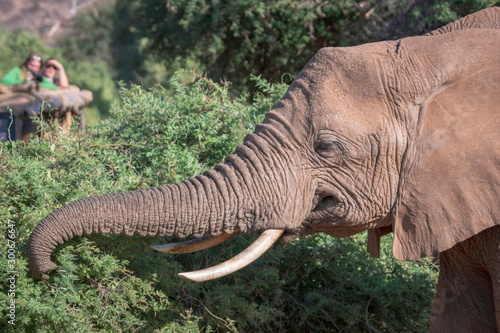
(113, 283)
(189, 132)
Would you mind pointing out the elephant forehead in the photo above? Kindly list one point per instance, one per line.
(360, 109)
(341, 89)
(331, 105)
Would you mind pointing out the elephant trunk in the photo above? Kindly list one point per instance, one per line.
(252, 190)
(201, 205)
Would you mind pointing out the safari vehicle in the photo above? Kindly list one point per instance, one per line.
(20, 103)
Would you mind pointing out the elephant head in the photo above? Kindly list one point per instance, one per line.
(395, 136)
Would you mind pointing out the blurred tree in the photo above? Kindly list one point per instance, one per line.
(94, 76)
(73, 11)
(15, 47)
(90, 38)
(106, 33)
(234, 38)
(126, 50)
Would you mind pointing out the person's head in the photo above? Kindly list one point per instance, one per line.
(49, 69)
(33, 62)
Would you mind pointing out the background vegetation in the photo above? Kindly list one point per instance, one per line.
(145, 42)
(232, 39)
(153, 127)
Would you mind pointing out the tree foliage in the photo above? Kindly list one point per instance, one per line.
(232, 39)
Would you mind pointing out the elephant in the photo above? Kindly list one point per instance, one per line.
(396, 136)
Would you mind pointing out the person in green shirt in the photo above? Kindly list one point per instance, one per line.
(29, 71)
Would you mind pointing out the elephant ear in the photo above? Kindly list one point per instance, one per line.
(450, 186)
(484, 19)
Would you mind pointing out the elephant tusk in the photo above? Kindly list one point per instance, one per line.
(254, 251)
(194, 245)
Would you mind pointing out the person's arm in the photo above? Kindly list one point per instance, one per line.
(12, 77)
(63, 78)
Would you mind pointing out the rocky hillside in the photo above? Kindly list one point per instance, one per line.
(48, 18)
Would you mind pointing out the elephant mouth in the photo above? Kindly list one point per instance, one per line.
(327, 201)
(328, 208)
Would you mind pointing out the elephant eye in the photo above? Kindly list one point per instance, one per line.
(329, 148)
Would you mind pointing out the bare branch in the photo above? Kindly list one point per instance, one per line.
(75, 8)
